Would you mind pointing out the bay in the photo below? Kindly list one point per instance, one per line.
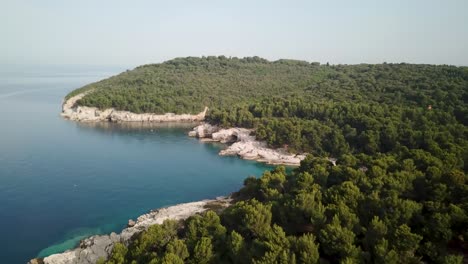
(61, 181)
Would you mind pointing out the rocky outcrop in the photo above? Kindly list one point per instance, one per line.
(92, 114)
(36, 261)
(100, 246)
(131, 223)
(245, 145)
(203, 131)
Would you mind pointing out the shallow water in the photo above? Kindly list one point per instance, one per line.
(61, 181)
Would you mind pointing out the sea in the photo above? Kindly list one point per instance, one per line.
(62, 181)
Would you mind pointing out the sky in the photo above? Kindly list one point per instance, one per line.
(131, 33)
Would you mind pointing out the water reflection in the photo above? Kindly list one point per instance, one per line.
(136, 126)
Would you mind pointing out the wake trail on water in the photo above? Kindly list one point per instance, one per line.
(7, 95)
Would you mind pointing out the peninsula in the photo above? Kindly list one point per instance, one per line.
(396, 192)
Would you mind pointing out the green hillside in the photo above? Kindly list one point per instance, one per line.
(399, 132)
(186, 85)
(319, 109)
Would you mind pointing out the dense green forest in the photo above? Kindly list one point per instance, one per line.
(186, 85)
(325, 110)
(367, 209)
(399, 192)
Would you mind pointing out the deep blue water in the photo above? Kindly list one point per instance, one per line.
(61, 181)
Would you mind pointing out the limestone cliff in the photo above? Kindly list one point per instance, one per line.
(92, 114)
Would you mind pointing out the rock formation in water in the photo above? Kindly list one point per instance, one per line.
(92, 114)
(100, 246)
(245, 145)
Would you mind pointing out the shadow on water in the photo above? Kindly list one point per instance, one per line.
(110, 127)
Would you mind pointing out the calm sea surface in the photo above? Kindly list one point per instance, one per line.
(61, 181)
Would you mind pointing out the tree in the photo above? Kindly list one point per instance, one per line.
(305, 210)
(382, 253)
(346, 192)
(205, 225)
(171, 258)
(178, 248)
(237, 248)
(337, 240)
(406, 243)
(203, 252)
(306, 249)
(118, 254)
(272, 247)
(376, 243)
(251, 219)
(157, 236)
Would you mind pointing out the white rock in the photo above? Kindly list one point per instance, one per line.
(233, 135)
(245, 145)
(203, 131)
(131, 223)
(93, 114)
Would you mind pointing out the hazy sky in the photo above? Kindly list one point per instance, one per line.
(111, 32)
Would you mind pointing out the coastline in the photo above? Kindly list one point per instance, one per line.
(243, 143)
(100, 246)
(92, 114)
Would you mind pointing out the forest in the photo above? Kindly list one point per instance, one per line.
(366, 209)
(398, 193)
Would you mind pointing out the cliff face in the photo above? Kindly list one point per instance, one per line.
(92, 114)
(93, 248)
(245, 145)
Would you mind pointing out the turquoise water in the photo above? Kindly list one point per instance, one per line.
(61, 181)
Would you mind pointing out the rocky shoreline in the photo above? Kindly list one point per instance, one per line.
(100, 246)
(245, 145)
(92, 114)
(243, 142)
